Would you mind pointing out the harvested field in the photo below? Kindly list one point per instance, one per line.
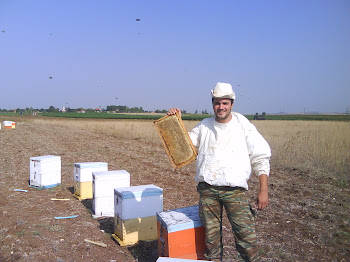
(307, 220)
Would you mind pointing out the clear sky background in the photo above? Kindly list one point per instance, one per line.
(280, 56)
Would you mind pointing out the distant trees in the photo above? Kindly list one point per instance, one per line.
(161, 111)
(124, 109)
(52, 109)
(109, 108)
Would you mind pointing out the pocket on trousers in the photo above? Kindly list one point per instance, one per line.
(253, 211)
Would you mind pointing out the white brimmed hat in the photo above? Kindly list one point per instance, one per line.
(223, 90)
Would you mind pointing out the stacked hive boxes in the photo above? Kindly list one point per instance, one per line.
(135, 210)
(83, 178)
(181, 234)
(45, 171)
(9, 124)
(103, 184)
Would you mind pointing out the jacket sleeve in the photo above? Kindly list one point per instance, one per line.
(259, 150)
(194, 135)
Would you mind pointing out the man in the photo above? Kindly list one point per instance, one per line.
(229, 146)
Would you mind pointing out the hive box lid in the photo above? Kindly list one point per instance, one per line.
(45, 158)
(138, 191)
(90, 164)
(113, 174)
(180, 219)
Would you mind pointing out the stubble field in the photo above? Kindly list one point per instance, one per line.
(307, 219)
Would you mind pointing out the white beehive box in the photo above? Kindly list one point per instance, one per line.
(138, 201)
(104, 183)
(9, 124)
(83, 178)
(83, 171)
(45, 171)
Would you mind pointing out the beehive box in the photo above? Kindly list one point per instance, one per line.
(103, 184)
(170, 259)
(176, 141)
(45, 171)
(131, 231)
(9, 124)
(83, 178)
(138, 201)
(135, 210)
(181, 234)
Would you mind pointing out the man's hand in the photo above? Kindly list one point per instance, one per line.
(172, 111)
(263, 195)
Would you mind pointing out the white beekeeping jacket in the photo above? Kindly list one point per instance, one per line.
(228, 152)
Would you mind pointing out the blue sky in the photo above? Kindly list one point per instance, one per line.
(289, 56)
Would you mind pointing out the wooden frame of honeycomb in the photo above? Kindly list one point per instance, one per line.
(176, 141)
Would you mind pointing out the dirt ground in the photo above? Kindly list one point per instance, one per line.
(307, 220)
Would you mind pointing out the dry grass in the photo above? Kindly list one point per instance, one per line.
(309, 145)
(304, 145)
(128, 129)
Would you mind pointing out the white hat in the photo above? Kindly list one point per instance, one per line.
(223, 90)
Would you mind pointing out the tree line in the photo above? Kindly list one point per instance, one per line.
(109, 109)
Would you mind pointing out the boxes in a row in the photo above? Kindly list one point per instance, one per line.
(137, 210)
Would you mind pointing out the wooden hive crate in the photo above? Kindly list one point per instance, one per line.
(171, 259)
(83, 178)
(7, 124)
(181, 234)
(103, 184)
(135, 210)
(45, 171)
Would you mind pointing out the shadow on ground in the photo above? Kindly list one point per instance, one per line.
(145, 251)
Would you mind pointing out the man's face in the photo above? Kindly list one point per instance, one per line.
(222, 109)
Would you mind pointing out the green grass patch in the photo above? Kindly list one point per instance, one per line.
(190, 117)
(21, 233)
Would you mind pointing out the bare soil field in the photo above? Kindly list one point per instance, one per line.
(307, 219)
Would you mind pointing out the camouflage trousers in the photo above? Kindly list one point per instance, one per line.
(211, 203)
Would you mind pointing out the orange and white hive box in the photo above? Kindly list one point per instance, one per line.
(135, 210)
(170, 259)
(9, 124)
(83, 178)
(181, 234)
(103, 184)
(45, 171)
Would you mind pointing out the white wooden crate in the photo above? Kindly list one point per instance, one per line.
(104, 183)
(45, 171)
(138, 201)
